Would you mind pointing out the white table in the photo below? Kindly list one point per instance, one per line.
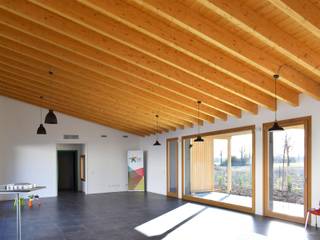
(18, 204)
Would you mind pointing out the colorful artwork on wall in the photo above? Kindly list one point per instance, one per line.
(135, 171)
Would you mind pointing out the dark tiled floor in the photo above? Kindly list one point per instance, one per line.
(115, 215)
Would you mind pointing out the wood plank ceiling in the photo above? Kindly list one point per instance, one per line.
(121, 62)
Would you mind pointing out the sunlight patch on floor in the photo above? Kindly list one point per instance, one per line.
(227, 198)
(291, 209)
(214, 224)
(169, 220)
(221, 224)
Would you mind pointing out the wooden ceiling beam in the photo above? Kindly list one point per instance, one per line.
(123, 118)
(162, 104)
(105, 44)
(148, 23)
(153, 55)
(90, 92)
(304, 13)
(71, 105)
(5, 91)
(192, 21)
(38, 31)
(251, 22)
(93, 98)
(110, 93)
(67, 102)
(72, 113)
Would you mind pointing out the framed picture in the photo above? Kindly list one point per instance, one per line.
(82, 167)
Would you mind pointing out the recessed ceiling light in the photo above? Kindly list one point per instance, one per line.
(103, 136)
(125, 136)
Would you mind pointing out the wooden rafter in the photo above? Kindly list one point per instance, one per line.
(110, 94)
(303, 12)
(121, 62)
(190, 45)
(220, 37)
(248, 20)
(19, 95)
(117, 49)
(154, 56)
(125, 67)
(61, 63)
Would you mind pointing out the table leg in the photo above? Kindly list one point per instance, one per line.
(18, 210)
(307, 219)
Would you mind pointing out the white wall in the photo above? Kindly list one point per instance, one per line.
(27, 157)
(1, 145)
(156, 179)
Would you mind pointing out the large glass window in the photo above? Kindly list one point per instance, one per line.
(220, 170)
(286, 170)
(172, 167)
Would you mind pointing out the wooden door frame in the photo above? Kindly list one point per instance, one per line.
(171, 194)
(306, 122)
(251, 128)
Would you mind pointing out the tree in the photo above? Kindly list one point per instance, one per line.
(285, 159)
(243, 155)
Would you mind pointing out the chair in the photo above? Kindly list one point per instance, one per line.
(315, 212)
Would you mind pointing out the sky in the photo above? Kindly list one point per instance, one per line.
(237, 142)
(295, 136)
(296, 141)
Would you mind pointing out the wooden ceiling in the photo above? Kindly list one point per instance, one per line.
(119, 63)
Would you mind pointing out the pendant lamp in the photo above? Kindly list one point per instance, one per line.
(41, 130)
(275, 127)
(157, 143)
(199, 138)
(51, 118)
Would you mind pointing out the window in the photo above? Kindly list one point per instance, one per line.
(220, 170)
(82, 168)
(172, 167)
(286, 170)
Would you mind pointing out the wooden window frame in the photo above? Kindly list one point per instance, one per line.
(251, 209)
(306, 121)
(171, 194)
(82, 167)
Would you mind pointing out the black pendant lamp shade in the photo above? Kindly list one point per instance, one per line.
(51, 118)
(199, 138)
(275, 127)
(157, 143)
(41, 130)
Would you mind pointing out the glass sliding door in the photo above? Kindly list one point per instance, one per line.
(172, 167)
(286, 171)
(220, 170)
